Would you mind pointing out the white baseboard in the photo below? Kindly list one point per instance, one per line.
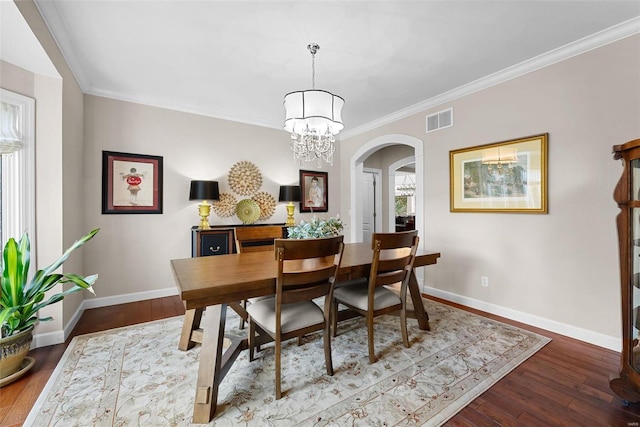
(601, 340)
(123, 299)
(57, 337)
(47, 338)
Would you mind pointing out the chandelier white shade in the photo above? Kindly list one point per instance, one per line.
(316, 109)
(314, 118)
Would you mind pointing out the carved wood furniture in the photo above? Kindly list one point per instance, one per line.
(255, 239)
(627, 194)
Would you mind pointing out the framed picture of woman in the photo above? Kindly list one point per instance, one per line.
(314, 187)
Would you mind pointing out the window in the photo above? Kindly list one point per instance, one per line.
(17, 168)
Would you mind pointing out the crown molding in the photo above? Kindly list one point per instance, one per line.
(62, 40)
(594, 41)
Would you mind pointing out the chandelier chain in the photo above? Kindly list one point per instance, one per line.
(313, 48)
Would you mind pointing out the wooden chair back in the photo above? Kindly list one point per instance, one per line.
(306, 267)
(257, 238)
(393, 258)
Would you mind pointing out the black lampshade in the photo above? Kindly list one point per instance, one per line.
(204, 190)
(290, 193)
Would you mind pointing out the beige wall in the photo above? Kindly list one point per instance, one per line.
(558, 270)
(133, 252)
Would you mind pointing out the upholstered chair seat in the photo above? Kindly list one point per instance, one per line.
(294, 316)
(357, 296)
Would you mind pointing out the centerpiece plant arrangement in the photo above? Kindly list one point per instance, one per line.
(316, 228)
(22, 298)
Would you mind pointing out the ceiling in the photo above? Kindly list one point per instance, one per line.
(237, 59)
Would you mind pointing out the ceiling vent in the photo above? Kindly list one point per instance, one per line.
(439, 120)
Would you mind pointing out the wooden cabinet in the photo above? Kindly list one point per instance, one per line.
(627, 194)
(217, 241)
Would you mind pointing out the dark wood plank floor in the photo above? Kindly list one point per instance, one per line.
(564, 384)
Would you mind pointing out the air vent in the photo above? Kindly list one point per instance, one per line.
(439, 120)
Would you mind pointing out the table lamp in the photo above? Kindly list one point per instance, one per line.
(290, 193)
(205, 191)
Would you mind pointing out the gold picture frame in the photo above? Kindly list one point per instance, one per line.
(507, 177)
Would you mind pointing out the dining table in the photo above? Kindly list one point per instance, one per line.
(208, 285)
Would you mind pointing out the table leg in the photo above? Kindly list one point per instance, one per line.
(418, 309)
(209, 370)
(190, 323)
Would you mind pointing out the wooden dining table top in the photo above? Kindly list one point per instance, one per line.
(223, 279)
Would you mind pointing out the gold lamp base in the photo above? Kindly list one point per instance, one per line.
(204, 210)
(290, 221)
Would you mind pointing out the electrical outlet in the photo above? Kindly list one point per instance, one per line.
(484, 281)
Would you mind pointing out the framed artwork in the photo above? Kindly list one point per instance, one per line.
(131, 183)
(314, 188)
(508, 176)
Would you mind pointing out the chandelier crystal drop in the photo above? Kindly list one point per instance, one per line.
(314, 118)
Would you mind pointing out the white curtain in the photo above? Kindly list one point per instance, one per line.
(10, 127)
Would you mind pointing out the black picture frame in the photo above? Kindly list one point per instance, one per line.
(131, 183)
(315, 198)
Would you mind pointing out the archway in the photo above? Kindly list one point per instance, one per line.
(356, 166)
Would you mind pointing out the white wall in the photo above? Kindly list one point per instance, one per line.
(558, 270)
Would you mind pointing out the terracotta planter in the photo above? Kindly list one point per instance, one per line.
(13, 350)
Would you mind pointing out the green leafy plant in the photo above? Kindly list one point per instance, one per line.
(21, 299)
(316, 228)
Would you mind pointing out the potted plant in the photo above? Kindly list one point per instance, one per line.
(316, 228)
(22, 298)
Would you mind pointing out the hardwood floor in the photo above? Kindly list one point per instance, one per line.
(564, 384)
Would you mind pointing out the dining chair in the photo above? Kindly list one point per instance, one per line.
(306, 270)
(392, 263)
(255, 239)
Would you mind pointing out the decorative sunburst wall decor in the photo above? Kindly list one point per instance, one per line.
(245, 178)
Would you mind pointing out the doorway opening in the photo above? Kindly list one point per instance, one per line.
(356, 164)
(402, 190)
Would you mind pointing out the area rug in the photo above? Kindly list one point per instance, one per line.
(137, 376)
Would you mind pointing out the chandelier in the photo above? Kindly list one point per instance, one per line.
(407, 187)
(314, 118)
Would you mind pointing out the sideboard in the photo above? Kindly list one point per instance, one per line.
(220, 239)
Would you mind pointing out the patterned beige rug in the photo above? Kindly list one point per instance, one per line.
(137, 376)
